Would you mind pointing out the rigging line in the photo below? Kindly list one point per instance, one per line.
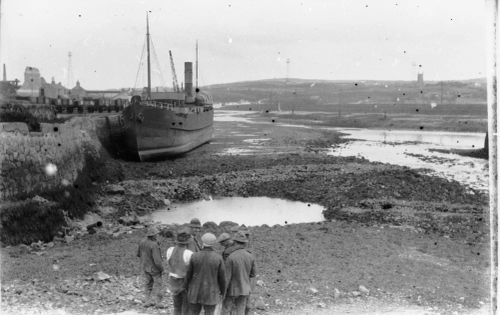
(140, 63)
(155, 56)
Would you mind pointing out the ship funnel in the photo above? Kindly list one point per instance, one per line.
(188, 79)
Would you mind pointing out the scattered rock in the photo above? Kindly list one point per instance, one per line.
(69, 238)
(58, 239)
(93, 227)
(24, 249)
(40, 199)
(210, 226)
(130, 219)
(106, 211)
(227, 225)
(363, 289)
(101, 276)
(324, 229)
(260, 304)
(312, 290)
(356, 293)
(336, 293)
(300, 236)
(55, 267)
(321, 305)
(386, 205)
(116, 234)
(36, 246)
(115, 189)
(260, 283)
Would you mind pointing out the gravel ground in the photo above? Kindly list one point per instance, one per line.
(394, 239)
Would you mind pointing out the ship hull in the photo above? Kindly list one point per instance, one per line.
(153, 132)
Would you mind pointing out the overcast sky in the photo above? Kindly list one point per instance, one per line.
(245, 39)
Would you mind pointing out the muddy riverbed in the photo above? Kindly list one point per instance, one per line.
(413, 239)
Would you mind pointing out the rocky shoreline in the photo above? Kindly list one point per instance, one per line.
(390, 234)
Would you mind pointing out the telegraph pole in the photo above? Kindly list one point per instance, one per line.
(340, 101)
(441, 92)
(287, 69)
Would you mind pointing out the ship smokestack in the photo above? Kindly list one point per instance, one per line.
(188, 79)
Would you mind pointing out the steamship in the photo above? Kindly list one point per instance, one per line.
(162, 124)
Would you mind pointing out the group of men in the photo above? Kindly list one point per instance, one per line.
(199, 276)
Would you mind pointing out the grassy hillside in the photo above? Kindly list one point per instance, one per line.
(318, 93)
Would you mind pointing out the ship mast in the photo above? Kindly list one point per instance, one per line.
(149, 62)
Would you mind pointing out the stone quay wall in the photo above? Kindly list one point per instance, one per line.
(34, 162)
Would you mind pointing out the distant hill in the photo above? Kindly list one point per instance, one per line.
(324, 92)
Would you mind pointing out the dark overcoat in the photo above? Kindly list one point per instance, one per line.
(206, 277)
(240, 268)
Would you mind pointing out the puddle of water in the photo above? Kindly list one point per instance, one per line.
(249, 211)
(412, 149)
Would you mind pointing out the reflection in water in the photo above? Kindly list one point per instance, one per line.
(248, 211)
(412, 149)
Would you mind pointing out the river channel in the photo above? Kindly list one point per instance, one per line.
(417, 150)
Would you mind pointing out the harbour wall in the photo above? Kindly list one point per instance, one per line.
(32, 163)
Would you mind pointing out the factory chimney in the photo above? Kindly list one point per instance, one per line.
(4, 73)
(188, 80)
(420, 80)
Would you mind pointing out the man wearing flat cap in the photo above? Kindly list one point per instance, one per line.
(152, 267)
(178, 258)
(227, 243)
(240, 271)
(205, 278)
(194, 244)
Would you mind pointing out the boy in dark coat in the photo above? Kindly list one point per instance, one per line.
(152, 266)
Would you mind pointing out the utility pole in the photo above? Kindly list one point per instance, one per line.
(340, 102)
(441, 92)
(287, 69)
